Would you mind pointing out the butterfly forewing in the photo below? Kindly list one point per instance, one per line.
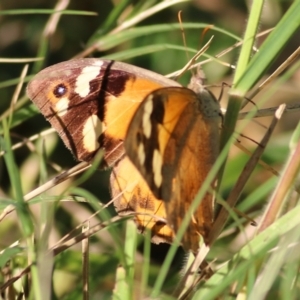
(90, 102)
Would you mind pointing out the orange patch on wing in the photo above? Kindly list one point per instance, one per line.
(133, 196)
(120, 110)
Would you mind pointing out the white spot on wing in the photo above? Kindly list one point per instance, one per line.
(148, 108)
(92, 129)
(88, 73)
(61, 106)
(141, 154)
(157, 168)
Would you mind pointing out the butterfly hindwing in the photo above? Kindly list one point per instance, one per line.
(173, 142)
(149, 134)
(132, 196)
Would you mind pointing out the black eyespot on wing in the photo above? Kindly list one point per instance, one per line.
(60, 90)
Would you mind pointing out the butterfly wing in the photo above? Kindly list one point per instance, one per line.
(173, 141)
(90, 102)
(132, 196)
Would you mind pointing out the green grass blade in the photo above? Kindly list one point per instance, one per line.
(111, 20)
(110, 41)
(270, 49)
(249, 38)
(14, 176)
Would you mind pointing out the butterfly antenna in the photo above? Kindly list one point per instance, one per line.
(183, 33)
(194, 59)
(205, 30)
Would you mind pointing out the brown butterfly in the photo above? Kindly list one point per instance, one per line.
(170, 133)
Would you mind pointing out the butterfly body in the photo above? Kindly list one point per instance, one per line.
(170, 135)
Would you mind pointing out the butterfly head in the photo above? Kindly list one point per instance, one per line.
(209, 105)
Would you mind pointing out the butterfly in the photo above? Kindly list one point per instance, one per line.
(161, 139)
